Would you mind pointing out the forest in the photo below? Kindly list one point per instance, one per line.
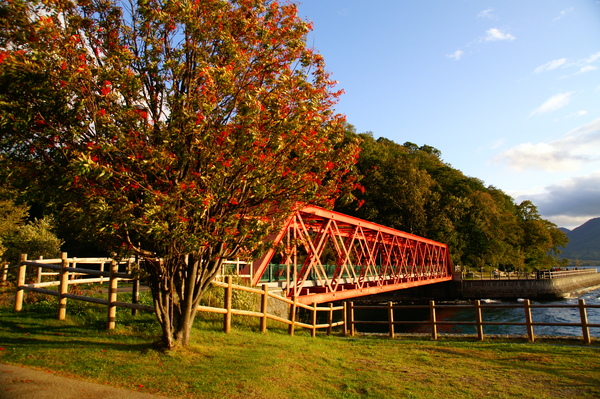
(410, 188)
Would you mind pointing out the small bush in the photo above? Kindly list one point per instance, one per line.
(34, 239)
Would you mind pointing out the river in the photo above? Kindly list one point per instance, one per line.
(539, 315)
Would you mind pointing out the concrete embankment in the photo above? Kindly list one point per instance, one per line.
(555, 288)
(541, 289)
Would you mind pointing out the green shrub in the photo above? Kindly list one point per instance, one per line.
(34, 239)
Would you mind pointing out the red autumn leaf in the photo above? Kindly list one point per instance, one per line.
(106, 88)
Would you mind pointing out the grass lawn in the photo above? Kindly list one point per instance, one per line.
(248, 364)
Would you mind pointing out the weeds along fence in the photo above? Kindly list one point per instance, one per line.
(479, 322)
(70, 272)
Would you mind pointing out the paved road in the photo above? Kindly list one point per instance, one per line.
(25, 383)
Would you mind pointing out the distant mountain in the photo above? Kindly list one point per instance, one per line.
(564, 230)
(584, 241)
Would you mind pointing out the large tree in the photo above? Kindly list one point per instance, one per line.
(178, 130)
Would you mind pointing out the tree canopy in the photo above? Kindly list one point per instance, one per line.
(410, 188)
(177, 130)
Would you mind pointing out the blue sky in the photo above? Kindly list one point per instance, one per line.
(508, 91)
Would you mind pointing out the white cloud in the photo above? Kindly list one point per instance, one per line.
(593, 58)
(549, 66)
(457, 55)
(577, 114)
(578, 147)
(583, 65)
(494, 35)
(537, 156)
(498, 143)
(588, 68)
(563, 13)
(489, 13)
(570, 202)
(554, 103)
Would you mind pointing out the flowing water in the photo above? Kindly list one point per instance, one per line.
(492, 314)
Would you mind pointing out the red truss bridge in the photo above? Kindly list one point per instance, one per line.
(323, 256)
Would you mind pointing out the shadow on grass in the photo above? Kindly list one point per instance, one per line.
(33, 330)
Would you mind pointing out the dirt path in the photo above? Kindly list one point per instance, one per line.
(25, 383)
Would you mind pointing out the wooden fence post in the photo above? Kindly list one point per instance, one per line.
(293, 316)
(434, 334)
(529, 321)
(345, 318)
(479, 320)
(391, 319)
(63, 288)
(103, 269)
(330, 319)
(584, 322)
(314, 321)
(4, 272)
(351, 317)
(227, 298)
(264, 307)
(135, 288)
(72, 275)
(39, 271)
(135, 295)
(20, 281)
(113, 284)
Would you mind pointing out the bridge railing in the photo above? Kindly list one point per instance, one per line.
(544, 274)
(518, 275)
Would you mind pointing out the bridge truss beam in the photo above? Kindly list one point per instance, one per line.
(329, 256)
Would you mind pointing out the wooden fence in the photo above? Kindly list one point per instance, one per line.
(479, 322)
(69, 272)
(293, 305)
(68, 269)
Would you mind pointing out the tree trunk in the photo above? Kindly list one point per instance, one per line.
(178, 284)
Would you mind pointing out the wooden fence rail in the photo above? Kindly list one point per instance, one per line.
(479, 323)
